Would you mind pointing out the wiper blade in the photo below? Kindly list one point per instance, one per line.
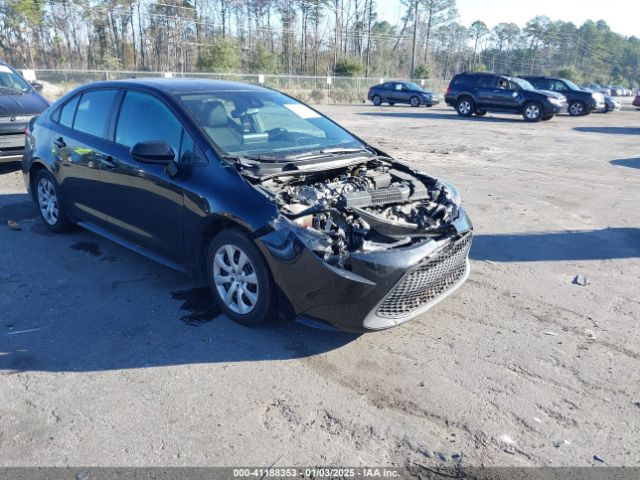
(240, 159)
(329, 152)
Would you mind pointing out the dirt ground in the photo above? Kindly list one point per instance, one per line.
(109, 359)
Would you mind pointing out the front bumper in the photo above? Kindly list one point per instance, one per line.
(11, 147)
(381, 290)
(430, 101)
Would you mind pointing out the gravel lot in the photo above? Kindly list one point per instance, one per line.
(109, 359)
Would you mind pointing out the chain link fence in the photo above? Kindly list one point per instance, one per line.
(316, 90)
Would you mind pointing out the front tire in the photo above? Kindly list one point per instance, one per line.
(414, 101)
(465, 107)
(51, 207)
(577, 109)
(240, 279)
(377, 100)
(532, 112)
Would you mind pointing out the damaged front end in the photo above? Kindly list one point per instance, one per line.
(362, 246)
(369, 206)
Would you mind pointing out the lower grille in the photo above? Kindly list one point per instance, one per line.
(428, 281)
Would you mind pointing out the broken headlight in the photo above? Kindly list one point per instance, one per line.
(454, 193)
(314, 240)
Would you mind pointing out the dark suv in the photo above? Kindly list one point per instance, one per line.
(402, 92)
(19, 103)
(480, 93)
(581, 102)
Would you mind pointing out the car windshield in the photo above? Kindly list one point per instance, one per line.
(10, 80)
(571, 85)
(414, 86)
(523, 84)
(264, 123)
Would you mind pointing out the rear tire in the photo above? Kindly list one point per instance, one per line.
(51, 206)
(240, 279)
(377, 100)
(577, 109)
(414, 101)
(606, 108)
(532, 112)
(465, 107)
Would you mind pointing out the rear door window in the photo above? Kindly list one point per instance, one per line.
(68, 111)
(486, 81)
(94, 112)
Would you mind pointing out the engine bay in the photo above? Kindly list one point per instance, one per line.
(373, 205)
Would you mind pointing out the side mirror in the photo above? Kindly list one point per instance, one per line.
(156, 152)
(37, 86)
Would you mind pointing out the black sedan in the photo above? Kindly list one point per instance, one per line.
(19, 102)
(277, 206)
(402, 92)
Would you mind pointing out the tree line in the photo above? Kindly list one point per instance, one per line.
(304, 37)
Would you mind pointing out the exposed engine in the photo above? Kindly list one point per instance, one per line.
(371, 206)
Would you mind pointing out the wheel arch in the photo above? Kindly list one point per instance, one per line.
(211, 227)
(36, 166)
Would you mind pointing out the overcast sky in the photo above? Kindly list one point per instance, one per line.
(622, 16)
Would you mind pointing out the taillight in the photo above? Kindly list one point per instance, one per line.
(449, 89)
(26, 130)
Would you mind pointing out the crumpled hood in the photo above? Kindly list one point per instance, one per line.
(25, 104)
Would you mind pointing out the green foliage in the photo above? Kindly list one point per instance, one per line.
(264, 61)
(348, 67)
(421, 71)
(220, 58)
(570, 73)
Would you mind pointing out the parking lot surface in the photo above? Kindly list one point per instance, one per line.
(107, 358)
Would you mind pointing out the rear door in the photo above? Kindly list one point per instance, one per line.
(144, 204)
(78, 141)
(485, 88)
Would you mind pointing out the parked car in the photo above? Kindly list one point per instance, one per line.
(402, 92)
(276, 205)
(636, 101)
(479, 93)
(597, 88)
(581, 102)
(617, 91)
(611, 104)
(19, 102)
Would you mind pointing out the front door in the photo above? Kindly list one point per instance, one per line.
(506, 96)
(144, 204)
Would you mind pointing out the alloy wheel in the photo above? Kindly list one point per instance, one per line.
(532, 112)
(48, 201)
(576, 109)
(415, 102)
(464, 107)
(235, 279)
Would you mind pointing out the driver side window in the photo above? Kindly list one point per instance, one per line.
(143, 118)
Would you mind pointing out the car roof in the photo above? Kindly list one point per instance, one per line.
(174, 86)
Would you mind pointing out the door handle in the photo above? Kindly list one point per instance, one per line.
(108, 162)
(59, 142)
